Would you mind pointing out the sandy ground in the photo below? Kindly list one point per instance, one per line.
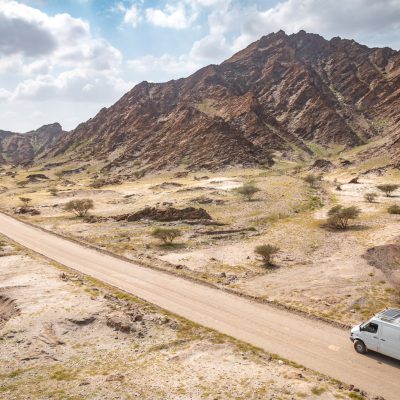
(318, 271)
(65, 337)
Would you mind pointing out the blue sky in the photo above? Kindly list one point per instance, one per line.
(64, 60)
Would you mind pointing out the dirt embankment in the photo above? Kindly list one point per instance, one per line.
(387, 259)
(8, 309)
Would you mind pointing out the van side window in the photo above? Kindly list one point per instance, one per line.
(371, 328)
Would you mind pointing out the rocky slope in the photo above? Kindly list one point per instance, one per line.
(287, 93)
(21, 149)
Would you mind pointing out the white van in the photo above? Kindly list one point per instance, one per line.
(381, 334)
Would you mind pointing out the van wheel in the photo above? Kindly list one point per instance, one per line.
(360, 347)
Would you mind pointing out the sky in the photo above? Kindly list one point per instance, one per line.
(62, 61)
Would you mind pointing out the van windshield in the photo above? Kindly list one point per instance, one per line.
(364, 324)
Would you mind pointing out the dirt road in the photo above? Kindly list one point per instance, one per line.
(314, 344)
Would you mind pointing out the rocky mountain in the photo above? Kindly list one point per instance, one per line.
(21, 149)
(289, 93)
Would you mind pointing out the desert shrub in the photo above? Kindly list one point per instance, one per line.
(370, 197)
(388, 189)
(98, 183)
(166, 235)
(139, 174)
(266, 251)
(79, 207)
(339, 216)
(25, 201)
(53, 191)
(313, 180)
(297, 169)
(315, 203)
(394, 209)
(248, 190)
(22, 184)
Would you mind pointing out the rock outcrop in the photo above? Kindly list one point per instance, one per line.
(166, 214)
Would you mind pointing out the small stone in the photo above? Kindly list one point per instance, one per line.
(115, 378)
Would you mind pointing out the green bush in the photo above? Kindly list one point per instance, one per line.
(248, 190)
(339, 216)
(388, 189)
(79, 207)
(266, 251)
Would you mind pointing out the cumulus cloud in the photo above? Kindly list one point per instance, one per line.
(19, 36)
(29, 38)
(175, 16)
(131, 14)
(364, 20)
(164, 67)
(73, 85)
(58, 61)
(4, 94)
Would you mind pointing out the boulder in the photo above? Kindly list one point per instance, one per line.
(323, 165)
(120, 322)
(36, 177)
(26, 211)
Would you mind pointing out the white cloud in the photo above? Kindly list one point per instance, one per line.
(73, 85)
(131, 15)
(59, 62)
(30, 38)
(372, 22)
(176, 16)
(164, 68)
(4, 94)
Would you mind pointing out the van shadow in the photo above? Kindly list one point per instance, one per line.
(382, 359)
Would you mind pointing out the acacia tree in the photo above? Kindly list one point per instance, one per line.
(339, 216)
(266, 251)
(25, 201)
(248, 190)
(166, 235)
(387, 188)
(79, 207)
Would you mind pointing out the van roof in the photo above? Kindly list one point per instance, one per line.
(391, 315)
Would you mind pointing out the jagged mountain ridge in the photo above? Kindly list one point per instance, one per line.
(21, 149)
(286, 93)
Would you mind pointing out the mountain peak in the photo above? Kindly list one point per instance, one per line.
(283, 93)
(22, 148)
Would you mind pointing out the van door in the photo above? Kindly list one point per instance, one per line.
(370, 335)
(390, 341)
